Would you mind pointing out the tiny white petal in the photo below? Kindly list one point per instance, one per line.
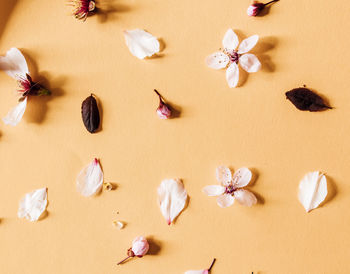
(245, 197)
(312, 190)
(14, 63)
(33, 204)
(213, 190)
(15, 115)
(223, 175)
(230, 41)
(217, 60)
(205, 271)
(141, 43)
(232, 75)
(90, 179)
(242, 177)
(225, 200)
(249, 62)
(172, 198)
(118, 224)
(247, 44)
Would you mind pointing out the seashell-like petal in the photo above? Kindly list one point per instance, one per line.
(33, 204)
(245, 197)
(141, 43)
(230, 41)
(214, 190)
(242, 177)
(249, 62)
(90, 179)
(232, 75)
(14, 64)
(14, 116)
(172, 198)
(225, 200)
(204, 271)
(223, 175)
(312, 190)
(217, 60)
(247, 44)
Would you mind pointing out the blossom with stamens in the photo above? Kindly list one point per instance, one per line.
(230, 57)
(82, 8)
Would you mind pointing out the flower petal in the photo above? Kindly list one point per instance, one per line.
(245, 197)
(230, 41)
(214, 190)
(312, 190)
(204, 271)
(90, 179)
(225, 200)
(217, 60)
(14, 63)
(242, 177)
(247, 44)
(232, 75)
(33, 204)
(172, 198)
(15, 115)
(223, 175)
(141, 43)
(249, 62)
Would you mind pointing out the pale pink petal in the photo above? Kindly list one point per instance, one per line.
(232, 75)
(141, 43)
(33, 204)
(204, 271)
(230, 41)
(249, 62)
(14, 64)
(15, 115)
(223, 175)
(245, 197)
(247, 44)
(225, 200)
(172, 198)
(242, 177)
(90, 179)
(312, 190)
(214, 190)
(217, 60)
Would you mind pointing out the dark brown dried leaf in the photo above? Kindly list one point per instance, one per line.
(305, 99)
(90, 114)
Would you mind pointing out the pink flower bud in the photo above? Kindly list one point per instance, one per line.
(163, 110)
(140, 246)
(255, 9)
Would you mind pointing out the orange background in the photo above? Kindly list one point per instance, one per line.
(301, 42)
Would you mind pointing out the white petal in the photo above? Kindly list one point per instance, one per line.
(242, 177)
(245, 197)
(217, 60)
(33, 204)
(312, 190)
(15, 115)
(249, 62)
(247, 44)
(14, 63)
(118, 224)
(214, 190)
(230, 40)
(225, 200)
(172, 198)
(223, 175)
(141, 43)
(90, 179)
(232, 75)
(205, 271)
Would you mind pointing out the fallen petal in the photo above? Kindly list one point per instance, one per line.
(245, 197)
(223, 175)
(230, 41)
(217, 60)
(232, 75)
(14, 64)
(225, 200)
(214, 190)
(141, 43)
(118, 224)
(15, 115)
(247, 44)
(90, 179)
(33, 204)
(242, 177)
(249, 62)
(204, 271)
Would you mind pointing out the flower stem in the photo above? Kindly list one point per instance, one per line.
(211, 266)
(268, 3)
(156, 91)
(122, 261)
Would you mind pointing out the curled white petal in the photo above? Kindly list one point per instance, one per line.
(242, 177)
(245, 197)
(33, 204)
(230, 41)
(204, 271)
(118, 224)
(141, 43)
(15, 115)
(90, 179)
(249, 62)
(247, 44)
(172, 198)
(232, 75)
(217, 60)
(14, 63)
(214, 190)
(223, 175)
(312, 190)
(225, 200)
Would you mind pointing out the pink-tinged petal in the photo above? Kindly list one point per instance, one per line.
(230, 41)
(217, 60)
(249, 62)
(232, 75)
(242, 177)
(14, 64)
(15, 115)
(245, 197)
(247, 44)
(172, 198)
(204, 271)
(140, 246)
(225, 200)
(33, 204)
(214, 190)
(90, 179)
(223, 175)
(141, 43)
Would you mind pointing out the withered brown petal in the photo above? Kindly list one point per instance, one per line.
(305, 99)
(90, 114)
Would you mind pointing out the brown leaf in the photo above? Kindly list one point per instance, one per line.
(90, 114)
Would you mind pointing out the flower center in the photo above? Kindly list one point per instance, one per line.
(230, 189)
(232, 55)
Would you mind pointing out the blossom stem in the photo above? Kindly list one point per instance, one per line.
(268, 3)
(211, 266)
(160, 96)
(122, 261)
